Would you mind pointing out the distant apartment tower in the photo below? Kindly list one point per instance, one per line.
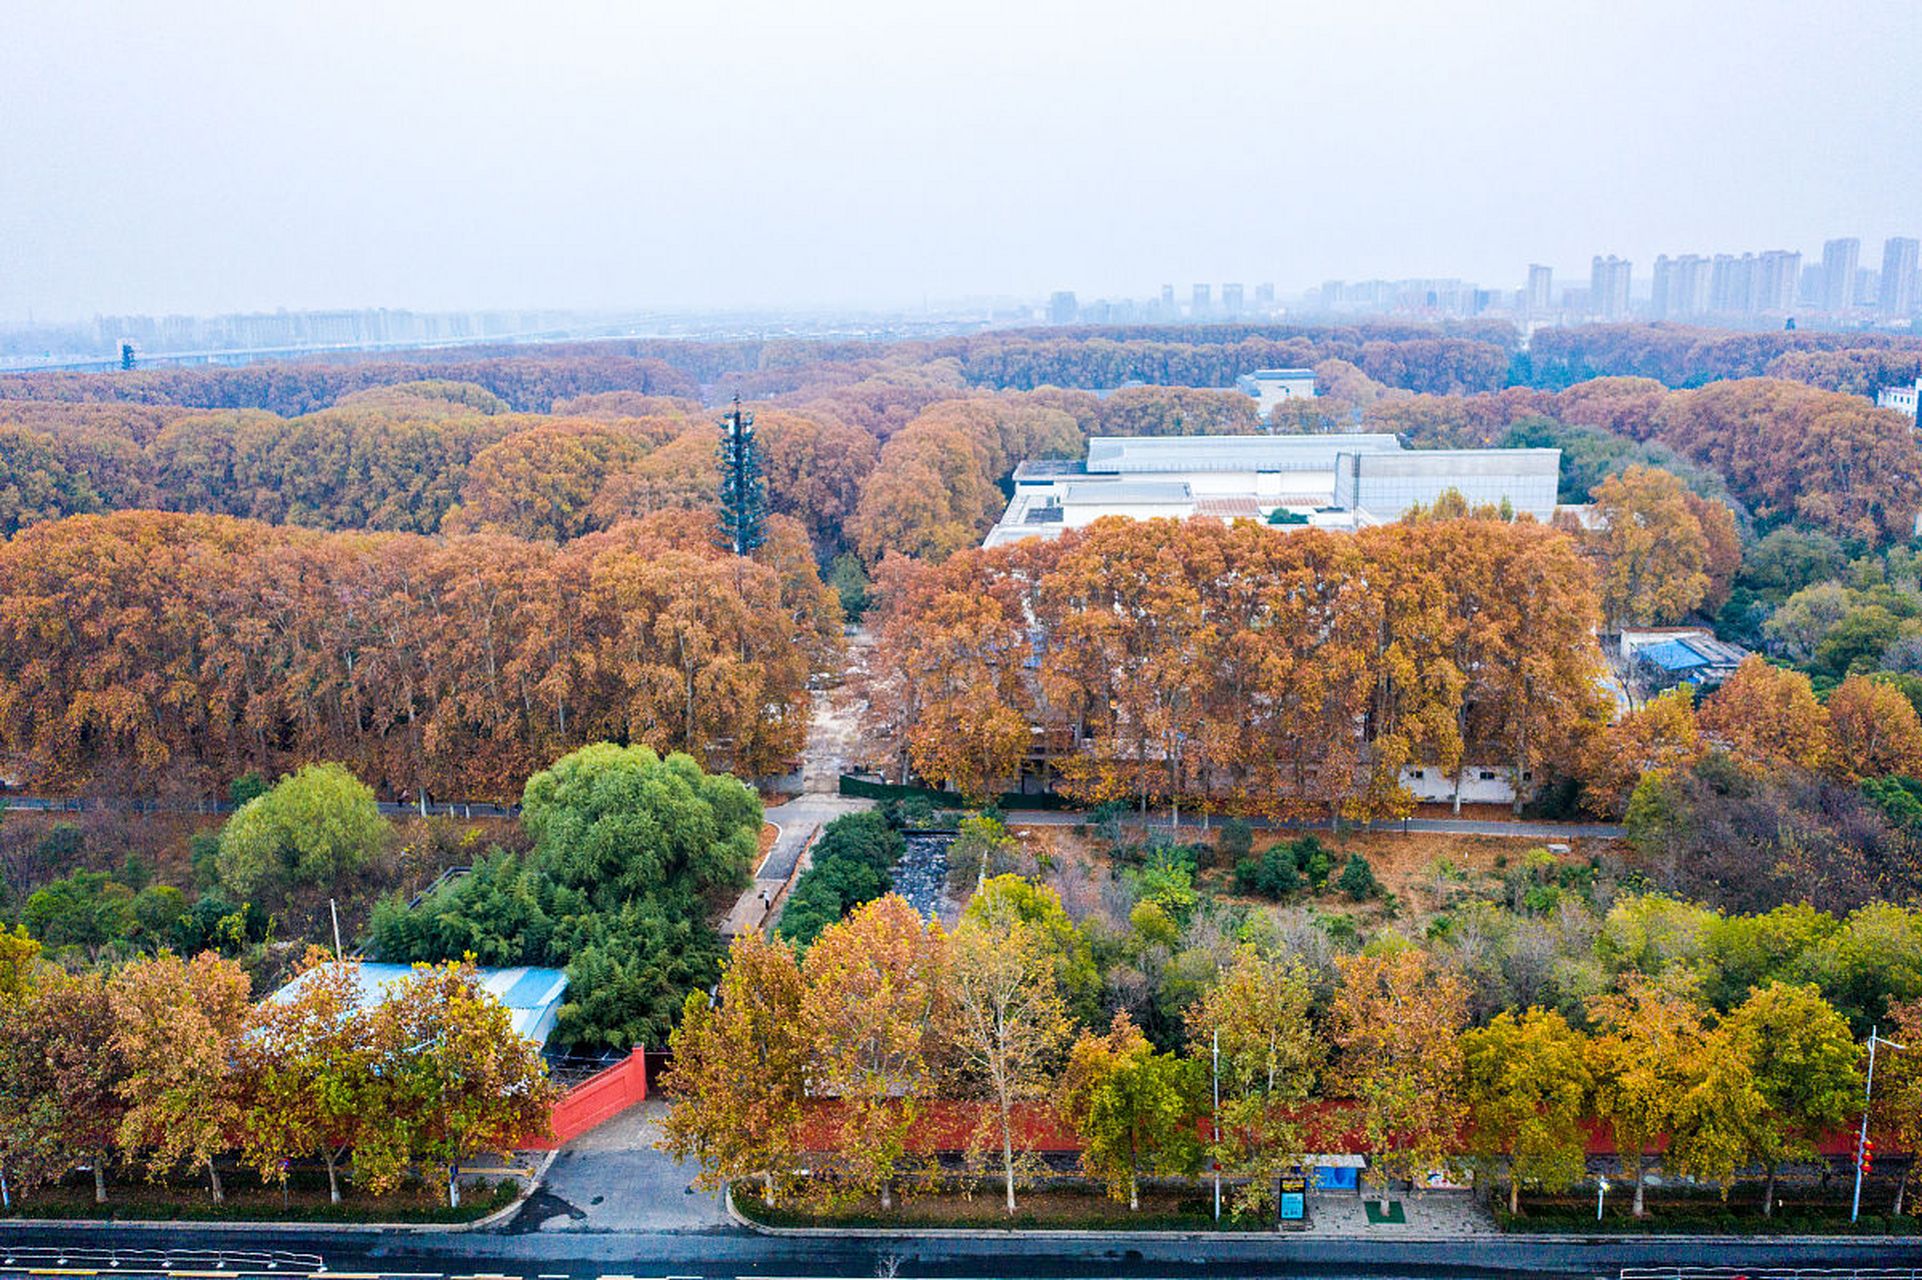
(1838, 274)
(1681, 286)
(1203, 301)
(1899, 259)
(1231, 300)
(1608, 280)
(1265, 297)
(1731, 285)
(1540, 297)
(1062, 307)
(1778, 273)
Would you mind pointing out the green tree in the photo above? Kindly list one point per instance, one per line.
(630, 849)
(983, 847)
(1805, 1064)
(850, 583)
(316, 825)
(620, 823)
(850, 864)
(1135, 1109)
(310, 1059)
(1011, 897)
(87, 910)
(455, 1078)
(1526, 1082)
(1271, 1060)
(1358, 879)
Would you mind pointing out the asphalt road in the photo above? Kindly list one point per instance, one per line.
(735, 1253)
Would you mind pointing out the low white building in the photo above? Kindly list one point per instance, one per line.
(1271, 387)
(1901, 399)
(1480, 784)
(1333, 481)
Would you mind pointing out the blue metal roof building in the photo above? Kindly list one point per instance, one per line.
(1701, 659)
(532, 996)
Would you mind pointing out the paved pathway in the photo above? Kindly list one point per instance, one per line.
(612, 1178)
(1435, 1213)
(831, 734)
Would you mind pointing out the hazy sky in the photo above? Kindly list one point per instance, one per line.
(208, 156)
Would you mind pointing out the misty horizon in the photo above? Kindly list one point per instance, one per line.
(612, 159)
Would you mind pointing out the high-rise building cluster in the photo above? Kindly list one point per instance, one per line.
(1768, 288)
(1775, 285)
(1204, 304)
(300, 330)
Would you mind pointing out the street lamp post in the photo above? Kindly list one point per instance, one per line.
(1868, 1098)
(1601, 1194)
(1217, 1123)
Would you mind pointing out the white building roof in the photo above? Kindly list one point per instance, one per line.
(1147, 454)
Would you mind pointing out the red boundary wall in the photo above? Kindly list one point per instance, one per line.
(596, 1100)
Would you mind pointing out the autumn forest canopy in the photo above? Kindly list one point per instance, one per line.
(446, 568)
(303, 589)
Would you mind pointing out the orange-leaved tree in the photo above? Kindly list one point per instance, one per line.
(310, 1057)
(1398, 1021)
(1874, 730)
(1768, 717)
(739, 1077)
(872, 1008)
(180, 1025)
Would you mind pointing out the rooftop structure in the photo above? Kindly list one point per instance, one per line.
(532, 996)
(1340, 482)
(1388, 484)
(1139, 455)
(1271, 387)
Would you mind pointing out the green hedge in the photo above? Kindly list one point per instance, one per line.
(852, 786)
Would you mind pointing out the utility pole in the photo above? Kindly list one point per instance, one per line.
(1868, 1097)
(333, 909)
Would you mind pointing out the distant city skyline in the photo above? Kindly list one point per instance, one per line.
(1748, 287)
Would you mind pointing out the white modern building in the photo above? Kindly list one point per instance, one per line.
(1340, 482)
(1901, 399)
(1271, 387)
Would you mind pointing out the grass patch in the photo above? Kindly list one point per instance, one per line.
(1052, 1209)
(1379, 1214)
(248, 1201)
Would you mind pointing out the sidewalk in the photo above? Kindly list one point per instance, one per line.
(1432, 1214)
(612, 1178)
